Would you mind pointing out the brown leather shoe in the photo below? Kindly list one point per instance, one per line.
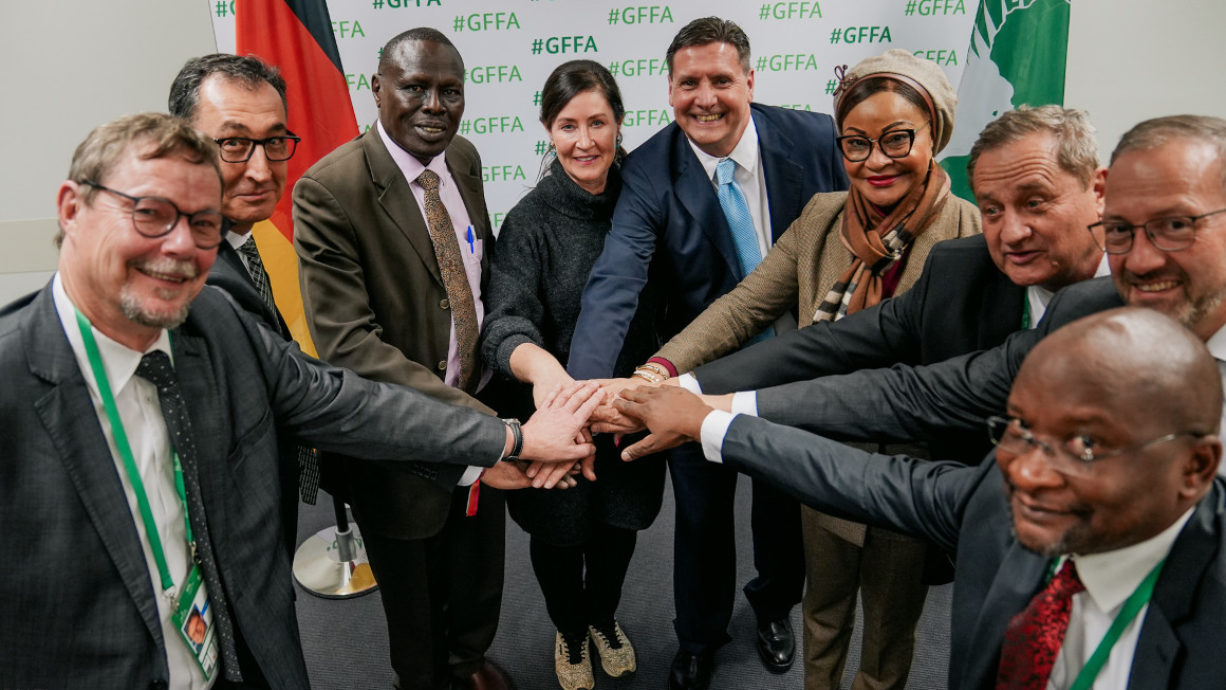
(490, 676)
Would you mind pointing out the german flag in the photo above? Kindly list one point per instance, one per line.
(296, 36)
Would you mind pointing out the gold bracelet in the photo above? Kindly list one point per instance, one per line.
(647, 375)
(657, 368)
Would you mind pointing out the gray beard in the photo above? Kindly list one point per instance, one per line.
(134, 312)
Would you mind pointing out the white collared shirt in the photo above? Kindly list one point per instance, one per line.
(1109, 579)
(137, 402)
(449, 192)
(236, 241)
(1038, 297)
(749, 175)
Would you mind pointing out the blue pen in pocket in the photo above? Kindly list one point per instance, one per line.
(471, 249)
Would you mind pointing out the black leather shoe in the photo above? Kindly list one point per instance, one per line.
(690, 671)
(776, 645)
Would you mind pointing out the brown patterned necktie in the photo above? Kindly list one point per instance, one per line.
(1035, 635)
(455, 279)
(155, 367)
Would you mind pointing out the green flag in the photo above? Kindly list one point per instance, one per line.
(1017, 56)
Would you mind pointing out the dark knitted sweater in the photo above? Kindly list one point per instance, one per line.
(546, 248)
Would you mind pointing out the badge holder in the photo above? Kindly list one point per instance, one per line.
(332, 562)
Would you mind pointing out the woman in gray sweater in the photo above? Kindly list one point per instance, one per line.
(581, 539)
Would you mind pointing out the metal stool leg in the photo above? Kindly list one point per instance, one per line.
(332, 562)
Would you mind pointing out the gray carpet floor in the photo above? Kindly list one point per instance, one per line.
(345, 641)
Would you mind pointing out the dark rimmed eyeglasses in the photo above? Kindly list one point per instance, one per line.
(1169, 234)
(154, 216)
(1074, 455)
(895, 143)
(276, 149)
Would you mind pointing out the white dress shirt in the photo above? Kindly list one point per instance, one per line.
(1038, 297)
(137, 402)
(749, 175)
(1109, 579)
(412, 168)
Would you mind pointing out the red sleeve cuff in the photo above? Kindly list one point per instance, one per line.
(672, 370)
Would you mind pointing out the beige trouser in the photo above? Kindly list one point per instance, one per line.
(887, 571)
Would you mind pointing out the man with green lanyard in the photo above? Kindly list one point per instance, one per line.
(139, 428)
(1090, 553)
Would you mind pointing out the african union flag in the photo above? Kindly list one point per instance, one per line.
(296, 36)
(1017, 56)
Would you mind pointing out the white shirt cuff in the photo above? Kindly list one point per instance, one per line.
(472, 474)
(745, 402)
(714, 428)
(690, 383)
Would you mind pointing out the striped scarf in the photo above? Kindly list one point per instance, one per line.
(878, 241)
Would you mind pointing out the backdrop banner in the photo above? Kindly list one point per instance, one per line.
(509, 47)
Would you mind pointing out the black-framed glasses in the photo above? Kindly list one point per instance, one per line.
(1169, 234)
(276, 149)
(1074, 455)
(895, 143)
(153, 217)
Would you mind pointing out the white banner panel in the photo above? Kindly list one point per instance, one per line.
(510, 47)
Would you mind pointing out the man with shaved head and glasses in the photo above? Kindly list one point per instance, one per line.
(1090, 553)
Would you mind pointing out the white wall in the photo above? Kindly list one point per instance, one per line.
(71, 66)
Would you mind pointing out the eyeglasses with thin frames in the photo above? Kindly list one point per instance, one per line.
(896, 143)
(276, 149)
(153, 217)
(1168, 234)
(1074, 456)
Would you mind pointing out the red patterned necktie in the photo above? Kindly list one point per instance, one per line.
(1034, 636)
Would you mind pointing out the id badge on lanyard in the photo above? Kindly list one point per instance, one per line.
(194, 618)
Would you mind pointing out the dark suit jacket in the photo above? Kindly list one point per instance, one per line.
(76, 602)
(1180, 644)
(375, 303)
(668, 227)
(907, 403)
(961, 303)
(229, 274)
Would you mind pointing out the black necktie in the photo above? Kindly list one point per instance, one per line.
(155, 367)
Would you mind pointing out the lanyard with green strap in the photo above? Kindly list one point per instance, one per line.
(129, 463)
(1132, 606)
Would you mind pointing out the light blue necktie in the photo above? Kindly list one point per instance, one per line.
(736, 211)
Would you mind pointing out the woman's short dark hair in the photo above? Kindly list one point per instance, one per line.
(572, 78)
(863, 89)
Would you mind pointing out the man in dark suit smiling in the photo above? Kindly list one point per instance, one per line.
(703, 200)
(140, 431)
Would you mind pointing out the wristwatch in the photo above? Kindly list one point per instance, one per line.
(517, 439)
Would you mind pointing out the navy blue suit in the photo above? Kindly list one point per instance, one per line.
(670, 237)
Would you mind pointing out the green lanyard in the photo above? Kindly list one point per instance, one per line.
(1132, 606)
(129, 463)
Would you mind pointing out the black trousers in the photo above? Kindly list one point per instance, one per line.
(582, 584)
(443, 594)
(704, 550)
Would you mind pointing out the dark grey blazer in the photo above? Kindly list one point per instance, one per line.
(907, 403)
(76, 600)
(1180, 645)
(961, 303)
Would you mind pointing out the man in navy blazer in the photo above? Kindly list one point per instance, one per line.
(670, 238)
(88, 603)
(1088, 481)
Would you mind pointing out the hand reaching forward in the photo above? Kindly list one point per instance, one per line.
(674, 416)
(553, 432)
(606, 419)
